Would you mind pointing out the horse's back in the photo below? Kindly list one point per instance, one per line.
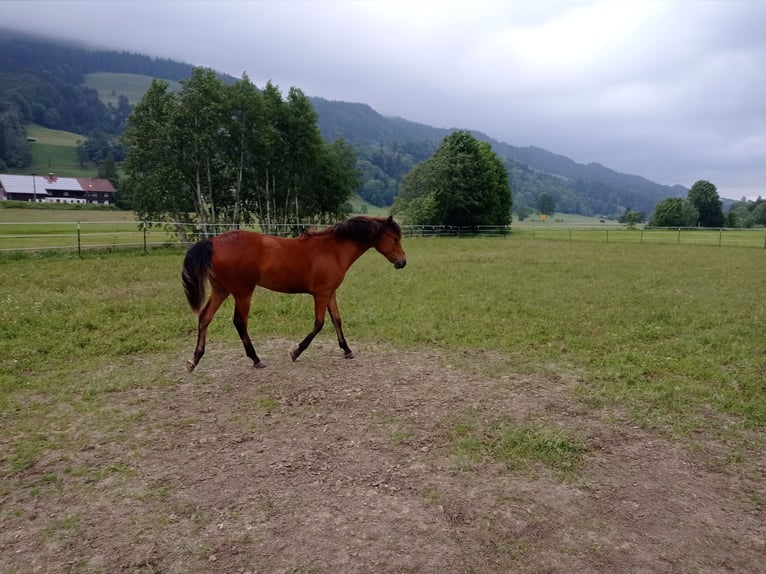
(244, 259)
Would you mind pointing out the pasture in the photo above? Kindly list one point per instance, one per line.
(515, 405)
(54, 151)
(110, 85)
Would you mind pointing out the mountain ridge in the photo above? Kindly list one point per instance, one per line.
(627, 191)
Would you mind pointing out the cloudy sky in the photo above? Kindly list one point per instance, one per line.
(672, 91)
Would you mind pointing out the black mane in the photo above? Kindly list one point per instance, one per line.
(362, 229)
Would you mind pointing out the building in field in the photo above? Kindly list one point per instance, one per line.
(53, 189)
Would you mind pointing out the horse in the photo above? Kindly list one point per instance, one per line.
(235, 262)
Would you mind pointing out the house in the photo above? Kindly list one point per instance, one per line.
(53, 189)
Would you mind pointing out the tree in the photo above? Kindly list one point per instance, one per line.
(674, 212)
(108, 170)
(416, 201)
(243, 121)
(333, 181)
(154, 185)
(545, 204)
(464, 183)
(198, 127)
(759, 213)
(631, 217)
(217, 154)
(522, 210)
(14, 147)
(704, 197)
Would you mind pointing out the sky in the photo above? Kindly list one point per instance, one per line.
(671, 91)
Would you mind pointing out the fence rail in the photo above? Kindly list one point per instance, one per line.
(106, 235)
(723, 236)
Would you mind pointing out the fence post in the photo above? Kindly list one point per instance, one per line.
(79, 244)
(642, 237)
(145, 251)
(570, 234)
(720, 236)
(678, 242)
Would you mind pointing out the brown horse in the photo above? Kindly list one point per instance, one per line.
(236, 262)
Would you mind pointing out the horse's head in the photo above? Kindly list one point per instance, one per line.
(389, 243)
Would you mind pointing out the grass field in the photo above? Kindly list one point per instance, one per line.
(54, 151)
(109, 86)
(669, 332)
(517, 405)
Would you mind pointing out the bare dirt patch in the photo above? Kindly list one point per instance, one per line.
(333, 465)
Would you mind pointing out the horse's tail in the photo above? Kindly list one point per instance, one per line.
(197, 265)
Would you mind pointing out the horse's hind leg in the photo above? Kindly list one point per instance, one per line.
(332, 307)
(217, 297)
(241, 312)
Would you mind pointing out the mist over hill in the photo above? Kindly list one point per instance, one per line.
(44, 79)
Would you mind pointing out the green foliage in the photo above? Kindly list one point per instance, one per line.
(231, 153)
(746, 213)
(674, 212)
(382, 167)
(631, 217)
(545, 204)
(97, 147)
(703, 195)
(15, 150)
(759, 212)
(463, 184)
(521, 210)
(153, 184)
(45, 81)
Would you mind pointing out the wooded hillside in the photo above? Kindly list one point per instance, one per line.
(42, 81)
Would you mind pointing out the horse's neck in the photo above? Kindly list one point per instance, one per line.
(349, 251)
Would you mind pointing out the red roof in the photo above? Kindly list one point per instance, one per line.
(91, 184)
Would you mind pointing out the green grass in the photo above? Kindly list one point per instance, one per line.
(133, 86)
(49, 228)
(47, 136)
(361, 205)
(54, 151)
(670, 335)
(605, 233)
(517, 445)
(21, 213)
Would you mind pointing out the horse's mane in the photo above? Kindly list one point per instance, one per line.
(362, 229)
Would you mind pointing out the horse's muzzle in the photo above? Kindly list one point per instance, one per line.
(400, 263)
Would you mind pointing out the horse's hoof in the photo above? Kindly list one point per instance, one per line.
(190, 365)
(348, 355)
(260, 365)
(294, 355)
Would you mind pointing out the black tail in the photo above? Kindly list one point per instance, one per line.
(197, 264)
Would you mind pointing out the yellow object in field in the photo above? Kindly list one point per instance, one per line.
(543, 217)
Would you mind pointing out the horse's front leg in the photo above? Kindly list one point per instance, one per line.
(320, 308)
(332, 307)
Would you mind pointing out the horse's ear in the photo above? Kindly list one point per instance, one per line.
(390, 220)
